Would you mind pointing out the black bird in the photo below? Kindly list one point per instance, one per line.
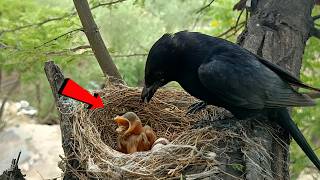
(224, 74)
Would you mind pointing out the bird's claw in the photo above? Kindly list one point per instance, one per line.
(196, 107)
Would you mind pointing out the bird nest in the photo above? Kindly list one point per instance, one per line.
(195, 151)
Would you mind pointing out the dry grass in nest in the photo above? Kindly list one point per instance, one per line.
(190, 150)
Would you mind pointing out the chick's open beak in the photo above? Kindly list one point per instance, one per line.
(121, 121)
(123, 124)
(148, 92)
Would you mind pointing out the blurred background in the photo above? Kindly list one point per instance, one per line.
(34, 31)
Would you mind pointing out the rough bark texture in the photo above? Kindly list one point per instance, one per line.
(96, 42)
(64, 106)
(277, 30)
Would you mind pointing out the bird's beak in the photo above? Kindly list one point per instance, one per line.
(148, 92)
(121, 121)
(123, 124)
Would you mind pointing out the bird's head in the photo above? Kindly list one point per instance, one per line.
(161, 65)
(128, 123)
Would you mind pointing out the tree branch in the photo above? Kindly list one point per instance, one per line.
(315, 32)
(235, 27)
(56, 18)
(198, 17)
(14, 172)
(96, 42)
(130, 55)
(238, 19)
(107, 4)
(60, 36)
(316, 17)
(37, 24)
(65, 107)
(80, 48)
(3, 46)
(75, 49)
(205, 7)
(235, 31)
(240, 5)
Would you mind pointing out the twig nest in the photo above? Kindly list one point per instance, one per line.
(159, 143)
(180, 152)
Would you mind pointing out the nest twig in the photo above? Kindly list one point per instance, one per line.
(191, 153)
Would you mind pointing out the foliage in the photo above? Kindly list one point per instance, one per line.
(129, 29)
(308, 118)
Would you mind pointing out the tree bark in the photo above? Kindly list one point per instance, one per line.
(65, 107)
(96, 42)
(277, 30)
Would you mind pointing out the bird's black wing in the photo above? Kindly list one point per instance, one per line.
(286, 75)
(243, 82)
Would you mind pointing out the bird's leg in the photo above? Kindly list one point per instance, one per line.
(196, 107)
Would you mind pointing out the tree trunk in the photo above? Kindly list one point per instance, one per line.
(65, 107)
(277, 30)
(96, 42)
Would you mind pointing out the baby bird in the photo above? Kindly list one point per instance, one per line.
(133, 136)
(159, 143)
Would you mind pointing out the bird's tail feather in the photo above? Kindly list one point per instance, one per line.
(287, 123)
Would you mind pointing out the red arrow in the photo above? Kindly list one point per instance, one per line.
(73, 90)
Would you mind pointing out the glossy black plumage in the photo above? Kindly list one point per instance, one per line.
(224, 74)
